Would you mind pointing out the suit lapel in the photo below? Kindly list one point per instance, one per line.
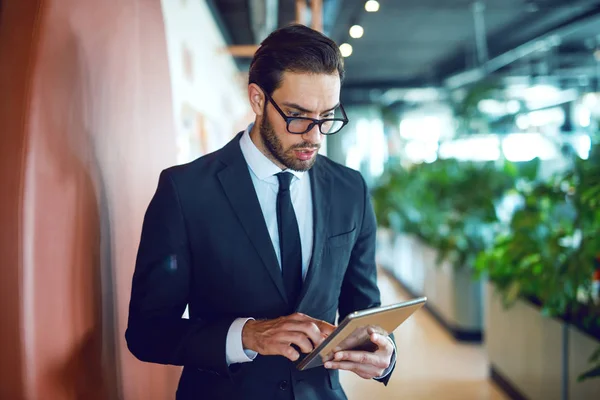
(321, 198)
(238, 187)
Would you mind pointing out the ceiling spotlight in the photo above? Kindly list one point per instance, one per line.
(346, 50)
(356, 31)
(372, 6)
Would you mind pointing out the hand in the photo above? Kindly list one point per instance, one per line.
(276, 336)
(367, 365)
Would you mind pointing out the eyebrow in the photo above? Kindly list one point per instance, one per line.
(300, 108)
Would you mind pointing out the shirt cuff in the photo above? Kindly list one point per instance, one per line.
(387, 371)
(235, 352)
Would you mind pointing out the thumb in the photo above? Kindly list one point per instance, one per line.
(376, 329)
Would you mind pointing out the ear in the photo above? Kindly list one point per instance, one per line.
(257, 99)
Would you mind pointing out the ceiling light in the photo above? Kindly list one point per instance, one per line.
(513, 106)
(356, 31)
(372, 6)
(346, 49)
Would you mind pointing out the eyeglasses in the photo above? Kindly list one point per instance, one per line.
(301, 125)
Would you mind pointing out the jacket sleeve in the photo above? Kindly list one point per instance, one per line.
(156, 331)
(359, 288)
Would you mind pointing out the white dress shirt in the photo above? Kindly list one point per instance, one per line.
(263, 173)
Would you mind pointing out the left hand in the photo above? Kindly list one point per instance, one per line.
(367, 365)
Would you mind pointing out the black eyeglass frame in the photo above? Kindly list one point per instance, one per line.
(314, 122)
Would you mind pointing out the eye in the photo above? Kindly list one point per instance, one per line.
(295, 114)
(330, 115)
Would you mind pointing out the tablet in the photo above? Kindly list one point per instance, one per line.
(353, 332)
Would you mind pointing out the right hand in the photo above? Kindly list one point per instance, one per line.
(276, 336)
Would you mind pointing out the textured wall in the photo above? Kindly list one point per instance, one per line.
(17, 21)
(85, 132)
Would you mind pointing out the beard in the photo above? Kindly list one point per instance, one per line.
(286, 157)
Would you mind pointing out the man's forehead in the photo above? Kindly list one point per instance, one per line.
(309, 89)
(291, 77)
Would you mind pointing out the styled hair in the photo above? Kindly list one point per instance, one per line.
(294, 48)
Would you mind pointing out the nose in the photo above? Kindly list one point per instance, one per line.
(313, 136)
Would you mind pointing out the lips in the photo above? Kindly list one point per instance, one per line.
(305, 154)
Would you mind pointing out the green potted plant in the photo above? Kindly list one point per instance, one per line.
(546, 253)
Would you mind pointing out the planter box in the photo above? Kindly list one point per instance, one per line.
(581, 346)
(524, 348)
(453, 297)
(527, 354)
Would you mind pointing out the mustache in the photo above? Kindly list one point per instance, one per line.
(305, 146)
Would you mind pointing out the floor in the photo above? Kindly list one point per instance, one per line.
(431, 364)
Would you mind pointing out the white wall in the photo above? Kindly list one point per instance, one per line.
(451, 293)
(209, 94)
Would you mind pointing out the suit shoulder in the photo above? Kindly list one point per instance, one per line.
(342, 172)
(198, 167)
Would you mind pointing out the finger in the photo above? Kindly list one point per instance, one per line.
(363, 370)
(345, 365)
(377, 329)
(288, 351)
(297, 317)
(326, 328)
(313, 331)
(297, 338)
(281, 349)
(382, 342)
(308, 328)
(362, 357)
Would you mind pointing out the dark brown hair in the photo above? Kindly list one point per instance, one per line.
(294, 48)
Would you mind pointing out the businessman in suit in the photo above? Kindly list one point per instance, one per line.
(265, 240)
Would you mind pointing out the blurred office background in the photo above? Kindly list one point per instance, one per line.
(475, 123)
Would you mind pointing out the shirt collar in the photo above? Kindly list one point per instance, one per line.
(262, 167)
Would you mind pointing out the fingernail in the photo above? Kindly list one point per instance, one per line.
(327, 365)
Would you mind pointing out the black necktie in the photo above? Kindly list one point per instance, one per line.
(289, 240)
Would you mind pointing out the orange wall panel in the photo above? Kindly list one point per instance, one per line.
(89, 128)
(18, 21)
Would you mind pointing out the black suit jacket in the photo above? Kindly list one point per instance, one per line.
(204, 243)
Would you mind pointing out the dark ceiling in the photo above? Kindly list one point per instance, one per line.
(433, 43)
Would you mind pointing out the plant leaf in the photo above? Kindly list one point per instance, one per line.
(592, 373)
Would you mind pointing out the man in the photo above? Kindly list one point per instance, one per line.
(265, 240)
